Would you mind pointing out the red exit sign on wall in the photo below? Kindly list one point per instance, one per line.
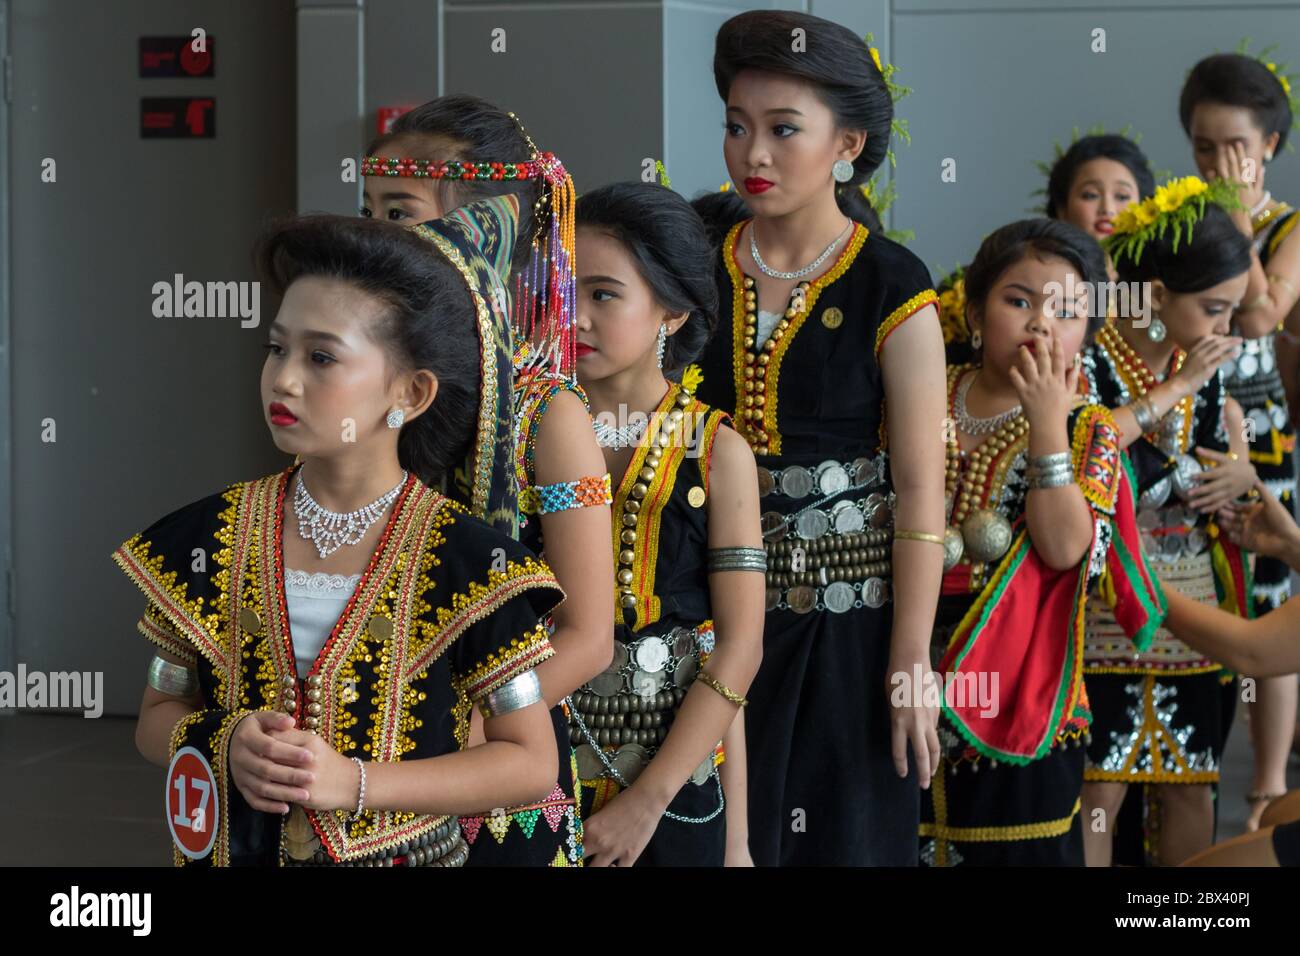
(178, 117)
(176, 56)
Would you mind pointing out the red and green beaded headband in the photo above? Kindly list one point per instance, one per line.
(545, 167)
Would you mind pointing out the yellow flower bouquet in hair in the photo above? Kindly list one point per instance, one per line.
(1178, 204)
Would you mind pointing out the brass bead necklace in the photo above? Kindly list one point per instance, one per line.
(1139, 379)
(657, 438)
(757, 359)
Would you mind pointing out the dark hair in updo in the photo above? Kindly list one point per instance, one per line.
(1041, 237)
(837, 63)
(669, 244)
(477, 131)
(720, 211)
(1237, 80)
(1111, 146)
(428, 323)
(1217, 251)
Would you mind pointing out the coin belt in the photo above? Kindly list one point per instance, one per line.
(1171, 534)
(442, 846)
(841, 572)
(874, 512)
(829, 478)
(630, 704)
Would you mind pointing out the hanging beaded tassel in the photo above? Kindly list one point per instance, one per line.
(546, 291)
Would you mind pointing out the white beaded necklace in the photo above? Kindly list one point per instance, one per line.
(797, 273)
(330, 530)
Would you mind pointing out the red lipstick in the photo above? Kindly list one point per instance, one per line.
(582, 348)
(280, 414)
(757, 184)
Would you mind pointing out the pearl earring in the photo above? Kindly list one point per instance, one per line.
(395, 418)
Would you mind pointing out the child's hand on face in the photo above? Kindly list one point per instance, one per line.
(1045, 381)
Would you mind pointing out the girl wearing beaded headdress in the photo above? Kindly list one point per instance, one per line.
(330, 709)
(1041, 507)
(687, 592)
(1238, 111)
(851, 323)
(1159, 715)
(446, 152)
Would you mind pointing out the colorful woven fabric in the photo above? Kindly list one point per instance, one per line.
(586, 492)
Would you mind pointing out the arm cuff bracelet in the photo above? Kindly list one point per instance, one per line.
(737, 559)
(174, 679)
(514, 694)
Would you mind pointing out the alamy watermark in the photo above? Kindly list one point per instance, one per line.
(58, 690)
(965, 690)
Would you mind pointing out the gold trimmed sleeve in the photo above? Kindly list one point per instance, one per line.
(1282, 232)
(506, 663)
(901, 314)
(156, 628)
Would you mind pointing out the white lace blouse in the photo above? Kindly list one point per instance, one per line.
(315, 601)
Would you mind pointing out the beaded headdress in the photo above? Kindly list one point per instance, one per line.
(544, 291)
(478, 239)
(1179, 204)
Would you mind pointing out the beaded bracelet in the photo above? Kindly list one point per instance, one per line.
(588, 492)
(709, 680)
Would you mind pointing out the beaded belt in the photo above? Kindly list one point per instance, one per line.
(442, 846)
(828, 478)
(630, 705)
(834, 573)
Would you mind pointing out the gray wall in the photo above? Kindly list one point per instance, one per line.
(150, 413)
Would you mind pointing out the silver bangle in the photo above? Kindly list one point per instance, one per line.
(514, 694)
(361, 792)
(174, 679)
(1057, 459)
(1145, 414)
(737, 559)
(1053, 479)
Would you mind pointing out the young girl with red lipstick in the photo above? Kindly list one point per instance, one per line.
(832, 340)
(553, 464)
(324, 632)
(687, 594)
(1094, 180)
(1237, 113)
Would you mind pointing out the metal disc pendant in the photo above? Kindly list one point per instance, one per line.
(651, 654)
(606, 684)
(703, 772)
(796, 482)
(648, 683)
(590, 766)
(1185, 469)
(684, 674)
(621, 656)
(847, 518)
(832, 478)
(987, 535)
(812, 524)
(766, 483)
(838, 597)
(801, 599)
(953, 547)
(1156, 495)
(875, 592)
(1247, 365)
(629, 761)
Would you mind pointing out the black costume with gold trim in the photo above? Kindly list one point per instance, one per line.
(431, 629)
(822, 783)
(662, 633)
(1254, 380)
(1159, 715)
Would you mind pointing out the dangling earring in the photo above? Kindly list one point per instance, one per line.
(1268, 156)
(976, 340)
(660, 344)
(1156, 330)
(395, 418)
(842, 170)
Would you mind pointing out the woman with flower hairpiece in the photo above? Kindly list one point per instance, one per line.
(828, 320)
(1158, 713)
(1238, 111)
(331, 708)
(550, 486)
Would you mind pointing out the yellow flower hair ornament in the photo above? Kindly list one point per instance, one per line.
(1178, 204)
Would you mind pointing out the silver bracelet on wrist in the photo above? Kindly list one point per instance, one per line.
(1051, 479)
(1145, 414)
(514, 694)
(361, 792)
(174, 679)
